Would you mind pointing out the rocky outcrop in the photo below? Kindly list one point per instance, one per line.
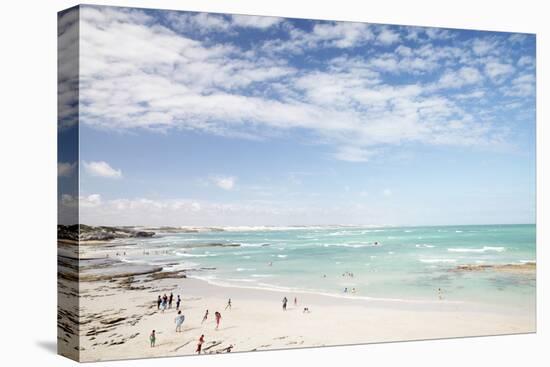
(84, 232)
(527, 267)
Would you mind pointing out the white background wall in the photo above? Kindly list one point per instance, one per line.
(28, 182)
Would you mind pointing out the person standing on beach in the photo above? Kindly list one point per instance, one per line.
(228, 304)
(170, 300)
(218, 318)
(204, 317)
(159, 301)
(179, 321)
(440, 293)
(178, 301)
(199, 344)
(152, 338)
(284, 303)
(163, 304)
(295, 301)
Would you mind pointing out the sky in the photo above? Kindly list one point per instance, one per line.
(214, 119)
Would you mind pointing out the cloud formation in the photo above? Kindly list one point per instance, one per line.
(226, 183)
(101, 169)
(140, 73)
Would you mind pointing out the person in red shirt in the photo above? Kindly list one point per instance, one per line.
(200, 343)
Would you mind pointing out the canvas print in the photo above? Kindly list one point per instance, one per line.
(235, 183)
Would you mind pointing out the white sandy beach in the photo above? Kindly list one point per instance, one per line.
(117, 320)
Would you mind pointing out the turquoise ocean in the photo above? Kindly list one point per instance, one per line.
(386, 263)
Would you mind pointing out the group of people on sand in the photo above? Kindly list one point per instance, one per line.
(217, 315)
(165, 302)
(352, 290)
(285, 302)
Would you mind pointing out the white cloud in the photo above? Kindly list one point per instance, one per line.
(65, 169)
(522, 86)
(343, 34)
(457, 78)
(138, 75)
(353, 154)
(387, 192)
(225, 182)
(323, 35)
(201, 22)
(251, 21)
(89, 201)
(477, 94)
(387, 36)
(101, 169)
(84, 201)
(482, 46)
(498, 71)
(526, 61)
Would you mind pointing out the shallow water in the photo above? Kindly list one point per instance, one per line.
(407, 263)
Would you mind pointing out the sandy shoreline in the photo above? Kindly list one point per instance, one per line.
(117, 317)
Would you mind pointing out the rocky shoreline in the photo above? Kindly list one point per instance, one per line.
(84, 232)
(523, 268)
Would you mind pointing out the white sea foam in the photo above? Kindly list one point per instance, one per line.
(252, 244)
(424, 245)
(480, 250)
(282, 256)
(245, 269)
(429, 261)
(133, 261)
(276, 288)
(352, 245)
(241, 280)
(184, 254)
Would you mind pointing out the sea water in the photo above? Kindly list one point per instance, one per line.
(391, 263)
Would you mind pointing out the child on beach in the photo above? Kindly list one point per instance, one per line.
(152, 338)
(199, 344)
(178, 301)
(179, 321)
(228, 304)
(218, 318)
(204, 317)
(284, 303)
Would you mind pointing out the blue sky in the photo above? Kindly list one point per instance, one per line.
(209, 119)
